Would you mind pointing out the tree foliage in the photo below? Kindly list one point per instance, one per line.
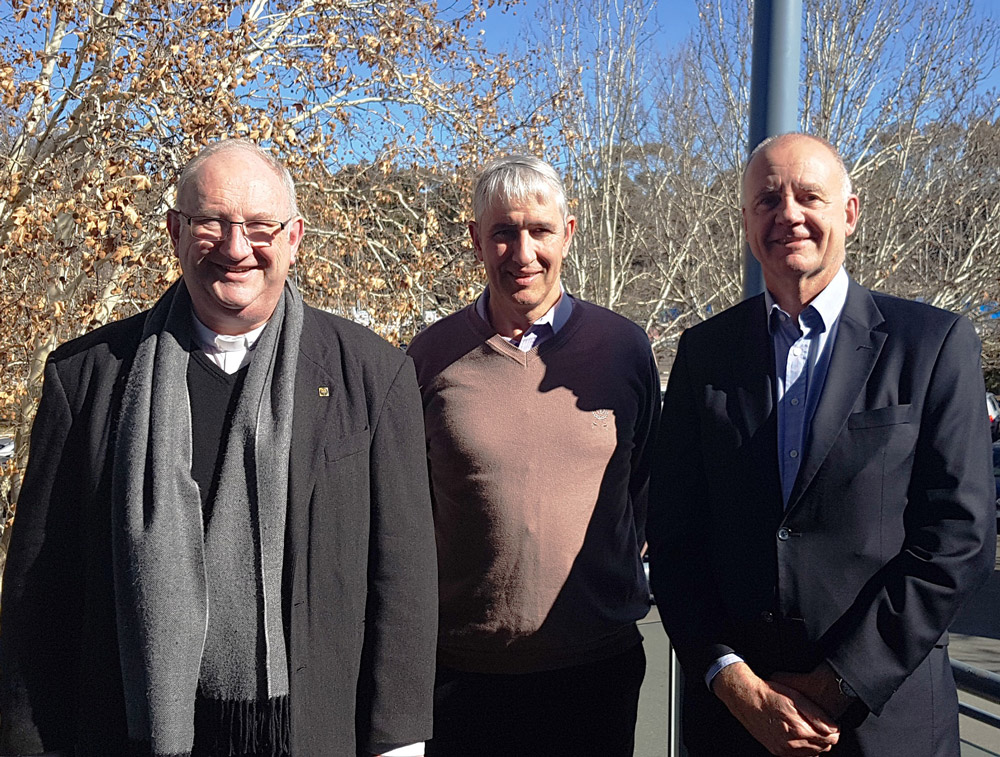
(654, 145)
(371, 105)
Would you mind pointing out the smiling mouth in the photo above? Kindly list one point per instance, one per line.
(522, 277)
(237, 270)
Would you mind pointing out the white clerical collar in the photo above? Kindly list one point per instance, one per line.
(228, 351)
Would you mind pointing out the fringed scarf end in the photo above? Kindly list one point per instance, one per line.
(234, 728)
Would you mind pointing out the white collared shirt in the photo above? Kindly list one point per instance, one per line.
(229, 352)
(542, 329)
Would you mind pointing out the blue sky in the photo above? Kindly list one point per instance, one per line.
(675, 20)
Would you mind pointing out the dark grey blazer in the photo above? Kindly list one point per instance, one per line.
(360, 586)
(890, 524)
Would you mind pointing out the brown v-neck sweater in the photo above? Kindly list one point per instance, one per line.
(539, 464)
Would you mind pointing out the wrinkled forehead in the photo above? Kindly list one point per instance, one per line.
(236, 179)
(529, 202)
(793, 164)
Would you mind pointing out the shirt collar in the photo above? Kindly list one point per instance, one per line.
(556, 316)
(212, 342)
(828, 304)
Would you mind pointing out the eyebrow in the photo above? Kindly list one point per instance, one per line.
(774, 188)
(505, 226)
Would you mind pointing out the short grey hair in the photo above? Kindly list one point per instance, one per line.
(518, 177)
(845, 176)
(190, 170)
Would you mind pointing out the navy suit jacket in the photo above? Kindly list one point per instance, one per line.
(889, 527)
(360, 584)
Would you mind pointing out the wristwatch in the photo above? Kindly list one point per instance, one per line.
(846, 689)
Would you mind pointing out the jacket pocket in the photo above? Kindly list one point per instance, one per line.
(883, 416)
(348, 445)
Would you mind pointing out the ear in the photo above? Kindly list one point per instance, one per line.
(853, 212)
(570, 231)
(476, 241)
(174, 227)
(296, 230)
(743, 216)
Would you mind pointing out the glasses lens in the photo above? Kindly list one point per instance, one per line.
(208, 228)
(261, 231)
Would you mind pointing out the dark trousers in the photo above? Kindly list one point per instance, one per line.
(579, 711)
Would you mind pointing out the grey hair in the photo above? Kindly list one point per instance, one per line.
(845, 176)
(518, 177)
(190, 169)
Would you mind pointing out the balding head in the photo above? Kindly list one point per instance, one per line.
(797, 213)
(847, 186)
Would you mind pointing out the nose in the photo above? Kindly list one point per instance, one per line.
(523, 252)
(789, 210)
(236, 243)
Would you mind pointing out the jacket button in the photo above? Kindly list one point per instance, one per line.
(784, 533)
(767, 616)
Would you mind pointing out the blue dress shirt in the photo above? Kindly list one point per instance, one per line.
(802, 349)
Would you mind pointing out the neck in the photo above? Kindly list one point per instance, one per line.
(513, 323)
(795, 297)
(227, 326)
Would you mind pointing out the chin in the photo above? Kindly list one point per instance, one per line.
(528, 303)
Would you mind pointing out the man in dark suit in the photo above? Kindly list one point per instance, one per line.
(224, 543)
(823, 501)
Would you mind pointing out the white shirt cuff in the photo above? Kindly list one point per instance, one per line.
(412, 750)
(717, 666)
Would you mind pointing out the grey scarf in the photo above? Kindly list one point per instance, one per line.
(200, 607)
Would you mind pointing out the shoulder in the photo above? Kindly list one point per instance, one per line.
(330, 341)
(603, 328)
(912, 315)
(444, 342)
(917, 326)
(727, 326)
(104, 349)
(431, 338)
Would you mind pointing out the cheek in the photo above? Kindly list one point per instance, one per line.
(553, 256)
(491, 256)
(191, 254)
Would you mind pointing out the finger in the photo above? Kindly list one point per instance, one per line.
(818, 718)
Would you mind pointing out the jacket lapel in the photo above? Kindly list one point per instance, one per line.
(855, 352)
(317, 396)
(753, 363)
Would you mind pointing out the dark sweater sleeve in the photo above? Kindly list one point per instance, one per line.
(647, 423)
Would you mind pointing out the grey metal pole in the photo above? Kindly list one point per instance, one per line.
(774, 91)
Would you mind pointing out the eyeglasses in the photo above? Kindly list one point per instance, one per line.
(257, 232)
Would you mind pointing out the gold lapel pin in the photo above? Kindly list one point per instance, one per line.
(324, 391)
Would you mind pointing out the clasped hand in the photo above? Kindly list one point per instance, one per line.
(777, 712)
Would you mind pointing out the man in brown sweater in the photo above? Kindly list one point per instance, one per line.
(538, 410)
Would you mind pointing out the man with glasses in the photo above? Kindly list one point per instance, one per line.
(223, 544)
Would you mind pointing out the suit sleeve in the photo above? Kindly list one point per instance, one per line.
(39, 633)
(950, 532)
(680, 573)
(398, 659)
